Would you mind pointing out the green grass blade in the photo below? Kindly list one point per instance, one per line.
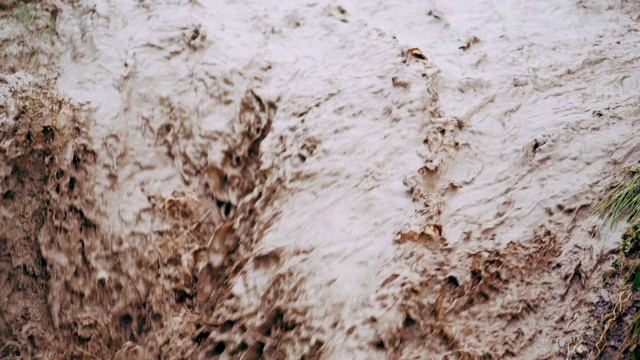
(623, 201)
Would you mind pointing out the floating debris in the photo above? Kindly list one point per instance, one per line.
(472, 40)
(430, 237)
(434, 230)
(434, 15)
(413, 52)
(399, 83)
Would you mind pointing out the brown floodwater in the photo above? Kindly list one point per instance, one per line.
(312, 179)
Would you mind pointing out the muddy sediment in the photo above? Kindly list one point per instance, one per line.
(71, 286)
(74, 286)
(321, 181)
(46, 160)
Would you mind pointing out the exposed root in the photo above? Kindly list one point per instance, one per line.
(610, 318)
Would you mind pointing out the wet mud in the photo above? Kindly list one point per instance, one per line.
(250, 180)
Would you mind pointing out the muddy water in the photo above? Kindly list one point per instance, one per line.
(283, 180)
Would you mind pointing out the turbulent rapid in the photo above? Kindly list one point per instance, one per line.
(333, 179)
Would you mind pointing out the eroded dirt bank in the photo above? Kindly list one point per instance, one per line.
(283, 180)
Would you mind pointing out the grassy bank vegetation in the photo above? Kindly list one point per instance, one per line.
(623, 204)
